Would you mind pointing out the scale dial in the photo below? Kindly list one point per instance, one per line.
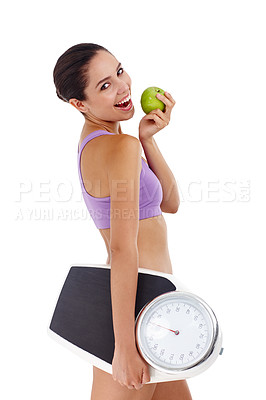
(176, 331)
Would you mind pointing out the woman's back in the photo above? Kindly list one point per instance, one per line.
(152, 233)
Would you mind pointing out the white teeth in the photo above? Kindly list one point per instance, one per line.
(125, 100)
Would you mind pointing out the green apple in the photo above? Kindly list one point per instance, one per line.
(149, 100)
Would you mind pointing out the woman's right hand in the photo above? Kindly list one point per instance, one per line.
(129, 368)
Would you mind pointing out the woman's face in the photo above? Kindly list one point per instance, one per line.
(108, 85)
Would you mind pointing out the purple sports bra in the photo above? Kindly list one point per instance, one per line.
(150, 192)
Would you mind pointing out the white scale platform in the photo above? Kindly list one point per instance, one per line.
(82, 319)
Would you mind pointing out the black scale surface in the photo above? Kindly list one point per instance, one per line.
(83, 313)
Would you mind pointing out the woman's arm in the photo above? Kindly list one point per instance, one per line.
(157, 163)
(124, 167)
(150, 124)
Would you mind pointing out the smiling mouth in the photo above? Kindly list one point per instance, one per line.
(125, 104)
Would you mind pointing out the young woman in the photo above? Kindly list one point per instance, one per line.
(125, 195)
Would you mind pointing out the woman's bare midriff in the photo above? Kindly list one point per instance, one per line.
(152, 244)
(152, 233)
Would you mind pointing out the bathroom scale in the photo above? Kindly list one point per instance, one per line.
(176, 331)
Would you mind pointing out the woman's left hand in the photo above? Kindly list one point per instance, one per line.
(157, 119)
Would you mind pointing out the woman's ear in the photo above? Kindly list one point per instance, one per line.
(79, 105)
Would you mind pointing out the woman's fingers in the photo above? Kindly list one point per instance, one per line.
(168, 96)
(146, 375)
(158, 117)
(168, 100)
(160, 114)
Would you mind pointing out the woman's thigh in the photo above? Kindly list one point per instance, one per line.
(172, 390)
(104, 387)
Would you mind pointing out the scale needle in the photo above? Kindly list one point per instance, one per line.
(175, 332)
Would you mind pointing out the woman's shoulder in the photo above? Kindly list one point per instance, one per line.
(109, 145)
(123, 158)
(122, 137)
(121, 148)
(117, 143)
(126, 143)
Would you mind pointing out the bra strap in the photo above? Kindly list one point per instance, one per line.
(92, 135)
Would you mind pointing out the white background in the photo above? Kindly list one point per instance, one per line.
(210, 55)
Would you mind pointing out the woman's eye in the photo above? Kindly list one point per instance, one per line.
(118, 72)
(103, 86)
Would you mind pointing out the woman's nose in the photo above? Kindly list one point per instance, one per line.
(123, 87)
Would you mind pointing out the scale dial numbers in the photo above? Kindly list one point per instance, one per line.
(175, 331)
